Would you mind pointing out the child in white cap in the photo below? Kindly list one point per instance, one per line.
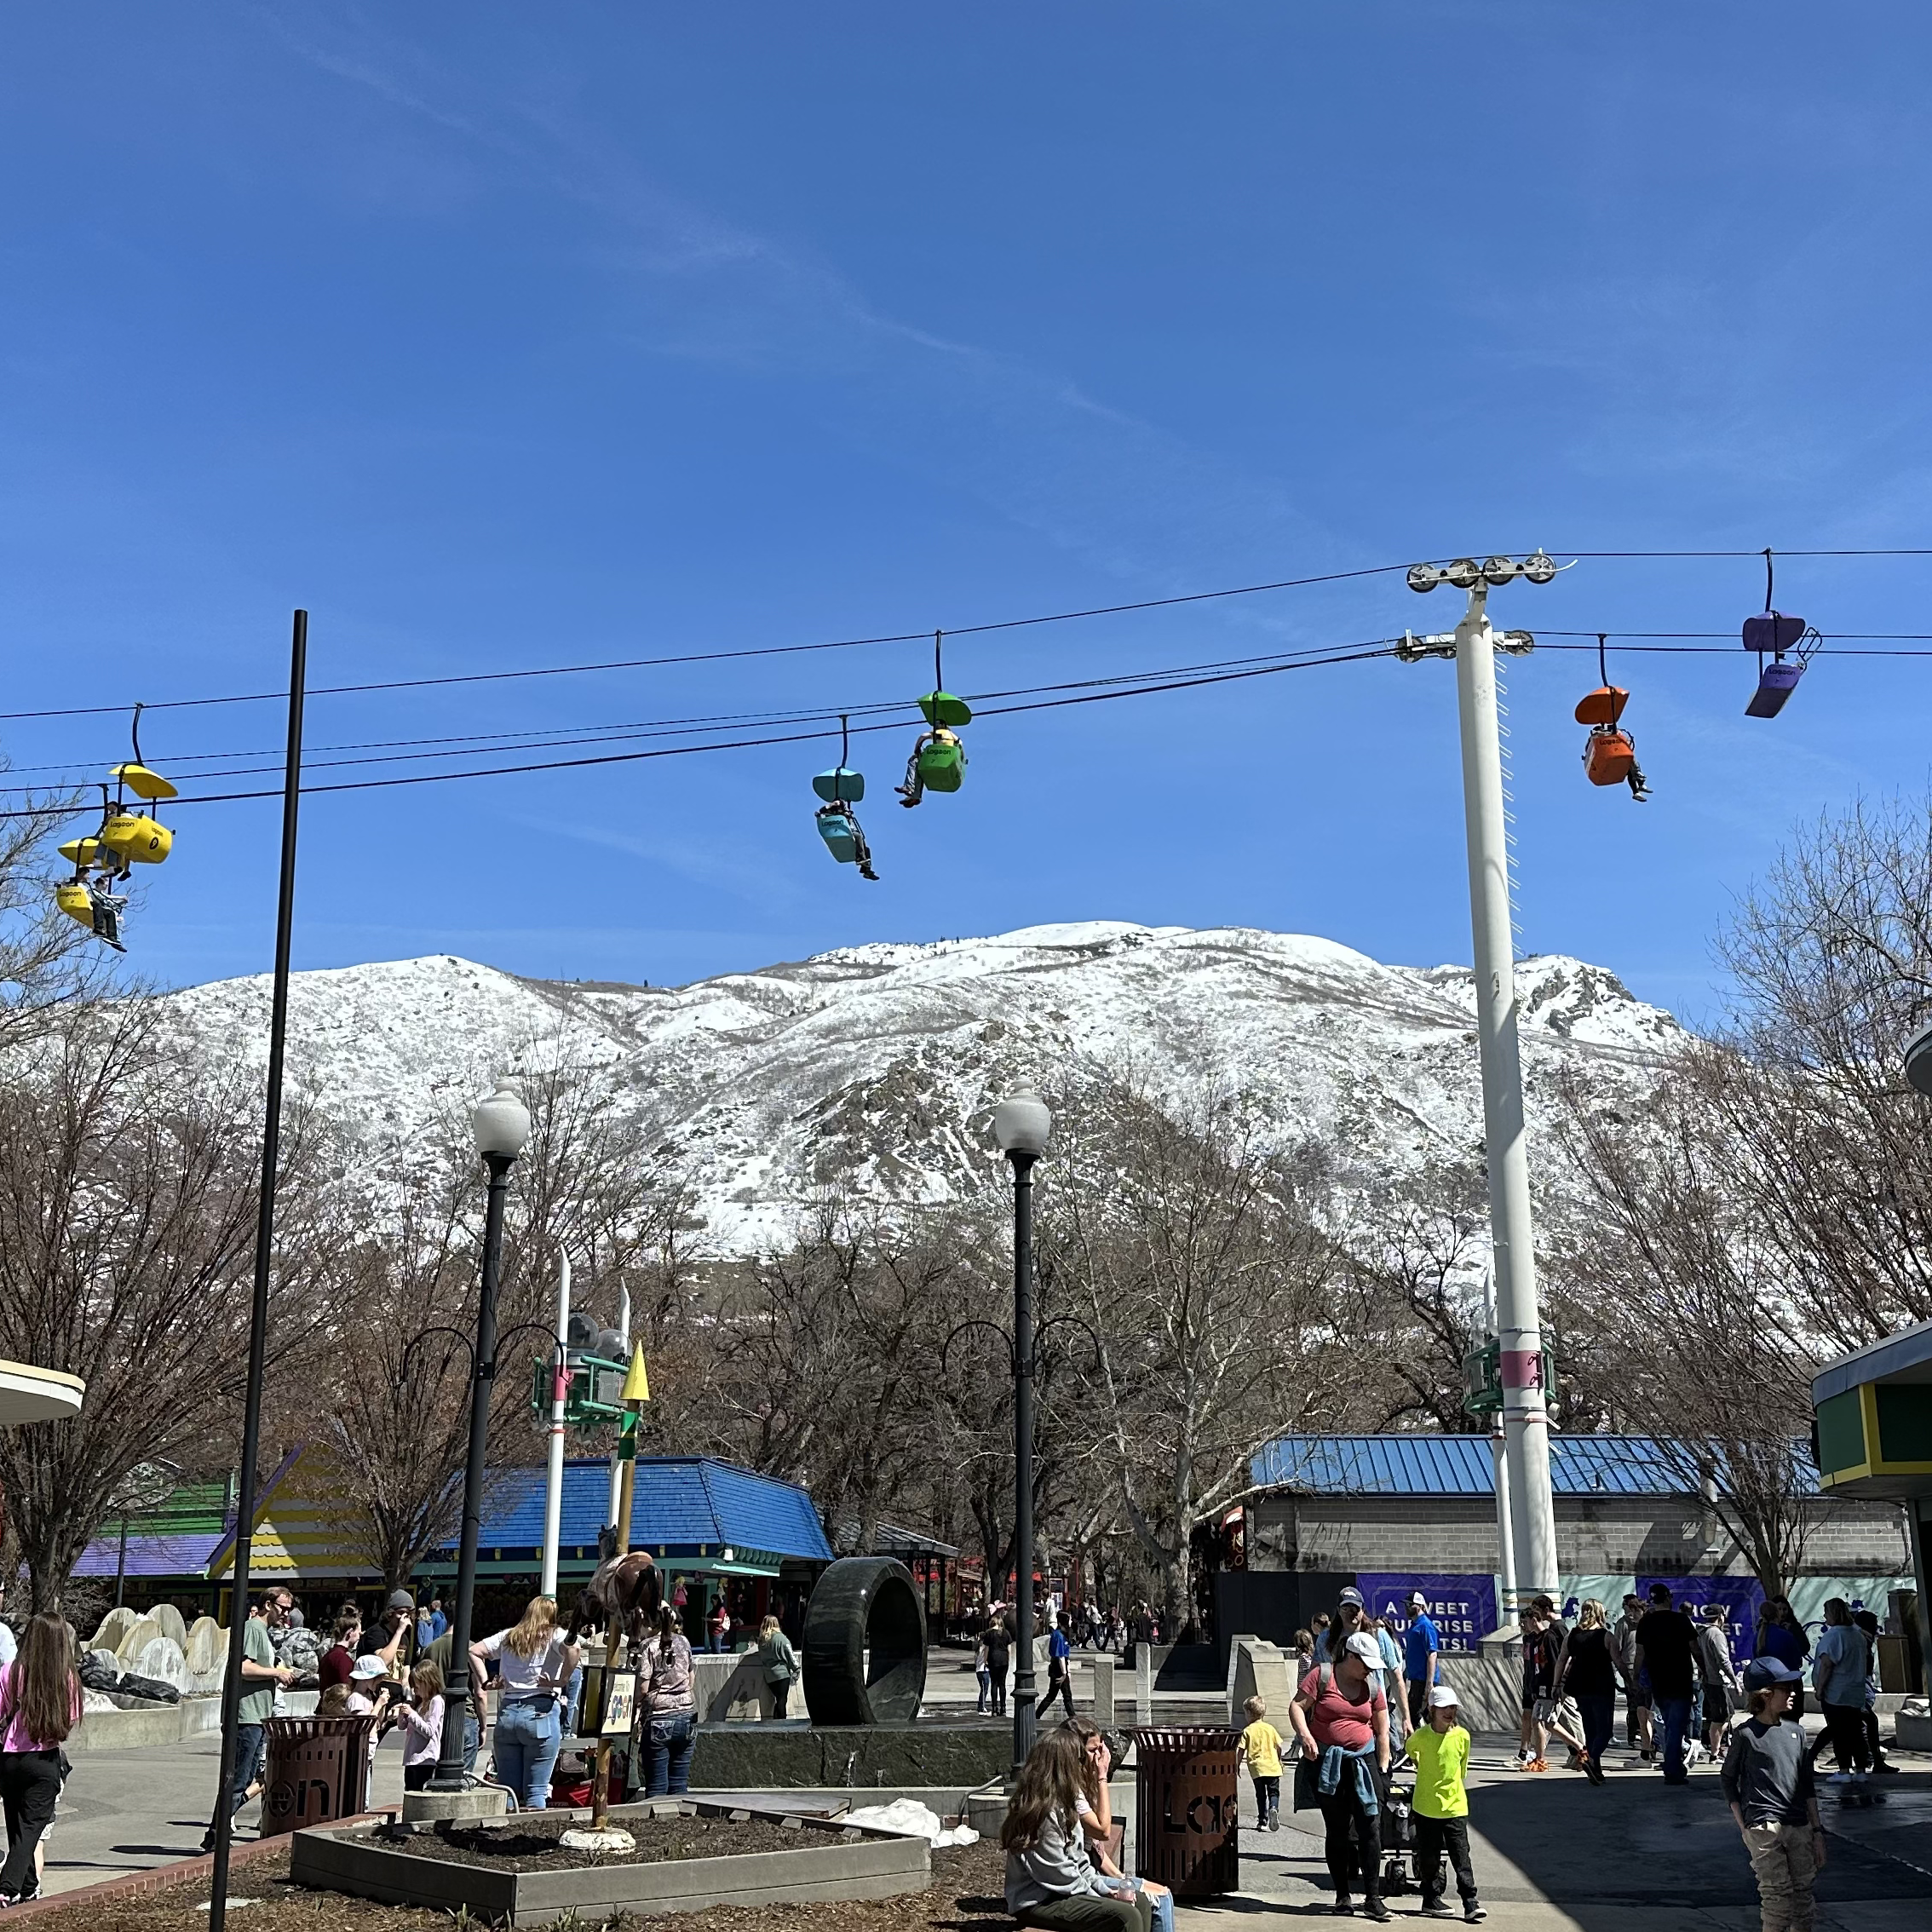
(1440, 1750)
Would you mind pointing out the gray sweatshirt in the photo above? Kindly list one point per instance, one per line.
(1057, 1866)
(1767, 1775)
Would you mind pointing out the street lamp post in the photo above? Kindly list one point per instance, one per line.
(1020, 1125)
(500, 1123)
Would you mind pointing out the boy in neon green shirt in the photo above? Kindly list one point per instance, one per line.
(1441, 1753)
(1260, 1747)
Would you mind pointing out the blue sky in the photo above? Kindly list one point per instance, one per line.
(496, 336)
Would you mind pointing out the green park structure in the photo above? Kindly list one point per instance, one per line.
(1874, 1441)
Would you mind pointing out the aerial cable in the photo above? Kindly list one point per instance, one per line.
(791, 737)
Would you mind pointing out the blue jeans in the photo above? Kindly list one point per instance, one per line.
(529, 1735)
(668, 1742)
(1599, 1713)
(251, 1752)
(1163, 1903)
(1676, 1713)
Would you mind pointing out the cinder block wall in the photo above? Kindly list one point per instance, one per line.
(1607, 1536)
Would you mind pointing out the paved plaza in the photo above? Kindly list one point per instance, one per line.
(1552, 1853)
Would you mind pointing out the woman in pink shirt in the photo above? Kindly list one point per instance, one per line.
(40, 1703)
(1342, 1719)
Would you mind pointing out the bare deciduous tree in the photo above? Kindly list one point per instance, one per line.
(128, 1189)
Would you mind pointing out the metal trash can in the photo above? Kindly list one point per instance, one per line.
(1188, 1813)
(318, 1771)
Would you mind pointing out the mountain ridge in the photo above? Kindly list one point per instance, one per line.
(878, 1062)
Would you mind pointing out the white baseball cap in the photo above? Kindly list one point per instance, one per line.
(1362, 1645)
(368, 1665)
(1442, 1698)
(1418, 1600)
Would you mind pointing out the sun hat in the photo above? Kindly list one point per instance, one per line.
(1362, 1645)
(369, 1666)
(1442, 1698)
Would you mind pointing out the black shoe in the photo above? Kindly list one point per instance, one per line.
(1886, 1770)
(1475, 1916)
(1591, 1768)
(1437, 1908)
(1375, 1909)
(1343, 1906)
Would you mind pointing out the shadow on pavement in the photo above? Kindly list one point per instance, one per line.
(1637, 1840)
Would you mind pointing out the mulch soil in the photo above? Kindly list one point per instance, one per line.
(964, 1897)
(530, 1844)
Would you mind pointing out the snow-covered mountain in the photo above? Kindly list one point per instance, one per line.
(881, 1062)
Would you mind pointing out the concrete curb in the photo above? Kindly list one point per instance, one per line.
(847, 1862)
(182, 1872)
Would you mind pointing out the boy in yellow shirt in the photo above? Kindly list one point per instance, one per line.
(1440, 1750)
(1261, 1749)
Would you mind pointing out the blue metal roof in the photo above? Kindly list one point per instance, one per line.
(1460, 1465)
(678, 1502)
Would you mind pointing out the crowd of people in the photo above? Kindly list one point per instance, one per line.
(526, 1681)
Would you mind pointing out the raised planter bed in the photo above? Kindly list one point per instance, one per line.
(831, 1861)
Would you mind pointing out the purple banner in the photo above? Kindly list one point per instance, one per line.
(1461, 1608)
(1739, 1596)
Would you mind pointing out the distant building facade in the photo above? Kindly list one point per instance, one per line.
(1394, 1512)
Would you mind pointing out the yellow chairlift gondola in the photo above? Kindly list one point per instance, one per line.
(123, 840)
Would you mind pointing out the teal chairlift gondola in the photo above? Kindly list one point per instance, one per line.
(842, 788)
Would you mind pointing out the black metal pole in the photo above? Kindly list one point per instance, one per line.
(450, 1775)
(1024, 1693)
(264, 1245)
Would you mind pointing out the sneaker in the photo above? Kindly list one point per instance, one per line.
(1886, 1770)
(1438, 1908)
(1343, 1906)
(1274, 1823)
(1591, 1769)
(1475, 1916)
(1375, 1909)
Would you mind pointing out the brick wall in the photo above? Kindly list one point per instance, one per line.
(1608, 1536)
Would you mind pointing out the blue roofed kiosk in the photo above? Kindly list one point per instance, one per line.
(1874, 1437)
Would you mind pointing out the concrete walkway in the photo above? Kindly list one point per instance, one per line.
(130, 1810)
(1554, 1853)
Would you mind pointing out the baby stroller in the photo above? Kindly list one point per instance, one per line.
(1399, 1839)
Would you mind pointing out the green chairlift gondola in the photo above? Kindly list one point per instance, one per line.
(938, 762)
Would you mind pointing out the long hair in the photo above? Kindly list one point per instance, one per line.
(1049, 1785)
(1590, 1614)
(426, 1682)
(1837, 1610)
(1085, 1731)
(44, 1687)
(537, 1626)
(666, 1629)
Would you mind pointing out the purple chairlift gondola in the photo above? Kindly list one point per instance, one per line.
(1774, 633)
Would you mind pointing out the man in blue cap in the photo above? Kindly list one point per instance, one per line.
(1769, 1785)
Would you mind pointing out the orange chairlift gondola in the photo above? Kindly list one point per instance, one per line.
(1609, 752)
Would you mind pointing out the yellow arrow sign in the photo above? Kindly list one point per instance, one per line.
(636, 1383)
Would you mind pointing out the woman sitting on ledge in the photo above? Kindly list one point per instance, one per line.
(1050, 1880)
